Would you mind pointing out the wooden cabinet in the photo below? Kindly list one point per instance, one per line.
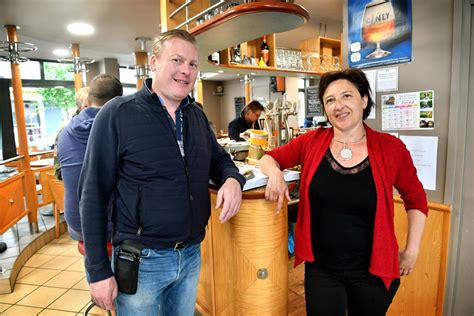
(319, 48)
(245, 260)
(12, 202)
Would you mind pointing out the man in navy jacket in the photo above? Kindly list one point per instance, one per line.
(154, 152)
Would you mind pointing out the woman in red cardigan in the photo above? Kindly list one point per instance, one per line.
(345, 229)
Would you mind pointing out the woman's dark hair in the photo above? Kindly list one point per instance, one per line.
(353, 75)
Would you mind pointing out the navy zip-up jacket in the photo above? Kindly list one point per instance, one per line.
(160, 198)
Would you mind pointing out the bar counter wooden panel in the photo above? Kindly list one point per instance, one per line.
(233, 253)
(12, 203)
(422, 292)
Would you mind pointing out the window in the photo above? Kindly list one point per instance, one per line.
(57, 71)
(127, 75)
(28, 70)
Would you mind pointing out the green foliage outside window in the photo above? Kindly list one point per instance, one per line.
(57, 71)
(58, 97)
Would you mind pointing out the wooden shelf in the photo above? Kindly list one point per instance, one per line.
(244, 23)
(263, 71)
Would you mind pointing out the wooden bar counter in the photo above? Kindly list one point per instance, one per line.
(245, 260)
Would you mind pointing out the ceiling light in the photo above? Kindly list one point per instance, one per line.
(61, 52)
(80, 28)
(220, 71)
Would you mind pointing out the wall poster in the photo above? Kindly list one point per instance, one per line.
(380, 32)
(404, 111)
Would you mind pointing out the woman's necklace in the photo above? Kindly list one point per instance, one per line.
(346, 153)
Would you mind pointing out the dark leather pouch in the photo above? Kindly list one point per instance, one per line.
(126, 266)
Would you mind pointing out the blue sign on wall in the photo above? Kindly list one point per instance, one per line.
(380, 32)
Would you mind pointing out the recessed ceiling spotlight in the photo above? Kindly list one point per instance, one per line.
(61, 52)
(80, 28)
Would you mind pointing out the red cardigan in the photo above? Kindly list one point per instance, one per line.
(391, 165)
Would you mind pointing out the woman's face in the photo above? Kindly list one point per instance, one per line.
(344, 105)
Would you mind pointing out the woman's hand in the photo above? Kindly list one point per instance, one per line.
(407, 260)
(277, 189)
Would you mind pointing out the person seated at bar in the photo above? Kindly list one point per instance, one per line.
(72, 142)
(248, 119)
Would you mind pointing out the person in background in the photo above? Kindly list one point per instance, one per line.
(72, 142)
(154, 152)
(81, 103)
(345, 225)
(248, 119)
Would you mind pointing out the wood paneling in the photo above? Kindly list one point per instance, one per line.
(422, 292)
(256, 238)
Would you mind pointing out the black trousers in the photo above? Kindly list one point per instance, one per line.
(331, 292)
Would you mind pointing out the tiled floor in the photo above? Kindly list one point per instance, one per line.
(52, 281)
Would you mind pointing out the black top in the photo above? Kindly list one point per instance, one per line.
(342, 204)
(240, 125)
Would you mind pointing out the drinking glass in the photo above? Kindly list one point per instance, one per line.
(378, 24)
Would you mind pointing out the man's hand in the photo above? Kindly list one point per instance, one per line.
(229, 197)
(277, 189)
(104, 293)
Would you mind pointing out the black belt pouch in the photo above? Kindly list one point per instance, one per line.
(126, 266)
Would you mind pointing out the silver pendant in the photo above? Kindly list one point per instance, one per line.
(346, 153)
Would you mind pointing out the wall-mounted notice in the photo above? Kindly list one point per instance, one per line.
(387, 79)
(413, 110)
(239, 104)
(313, 105)
(370, 74)
(424, 152)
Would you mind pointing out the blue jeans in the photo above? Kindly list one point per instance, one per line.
(167, 283)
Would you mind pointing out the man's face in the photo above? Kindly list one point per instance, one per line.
(175, 71)
(253, 115)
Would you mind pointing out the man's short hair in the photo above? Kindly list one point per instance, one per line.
(103, 88)
(81, 98)
(253, 106)
(169, 35)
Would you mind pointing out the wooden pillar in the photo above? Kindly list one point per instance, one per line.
(77, 74)
(30, 183)
(200, 92)
(248, 92)
(141, 60)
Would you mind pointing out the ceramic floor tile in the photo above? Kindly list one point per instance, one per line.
(42, 297)
(38, 277)
(52, 312)
(72, 301)
(72, 252)
(20, 291)
(38, 260)
(65, 279)
(12, 251)
(54, 249)
(4, 307)
(21, 310)
(60, 262)
(81, 285)
(24, 271)
(78, 265)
